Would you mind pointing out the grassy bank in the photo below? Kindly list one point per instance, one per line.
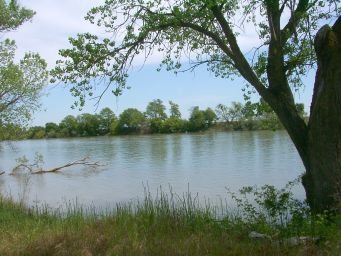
(167, 225)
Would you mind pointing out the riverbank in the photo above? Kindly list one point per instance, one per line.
(163, 226)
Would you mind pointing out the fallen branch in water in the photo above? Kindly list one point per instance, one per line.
(83, 162)
(22, 166)
(32, 170)
(1, 173)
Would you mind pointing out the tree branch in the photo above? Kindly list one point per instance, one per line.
(290, 28)
(185, 24)
(83, 162)
(283, 6)
(241, 63)
(211, 35)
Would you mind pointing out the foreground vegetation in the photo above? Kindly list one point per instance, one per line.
(172, 225)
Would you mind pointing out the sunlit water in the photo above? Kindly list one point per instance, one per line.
(205, 163)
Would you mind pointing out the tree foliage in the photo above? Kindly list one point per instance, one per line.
(131, 120)
(205, 31)
(106, 117)
(69, 126)
(12, 15)
(174, 110)
(200, 120)
(20, 83)
(156, 110)
(88, 124)
(210, 117)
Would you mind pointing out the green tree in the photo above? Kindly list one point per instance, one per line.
(12, 132)
(210, 117)
(249, 115)
(174, 110)
(131, 120)
(51, 130)
(174, 125)
(69, 126)
(267, 118)
(235, 113)
(88, 124)
(20, 83)
(222, 113)
(36, 132)
(207, 32)
(262, 108)
(12, 15)
(156, 110)
(156, 114)
(107, 117)
(197, 120)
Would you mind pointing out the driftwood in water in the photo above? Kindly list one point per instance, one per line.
(1, 173)
(31, 170)
(83, 162)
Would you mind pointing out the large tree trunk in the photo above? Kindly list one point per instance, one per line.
(322, 180)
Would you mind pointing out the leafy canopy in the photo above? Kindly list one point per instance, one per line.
(189, 33)
(12, 15)
(20, 84)
(131, 118)
(156, 110)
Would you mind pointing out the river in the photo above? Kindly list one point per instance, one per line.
(205, 164)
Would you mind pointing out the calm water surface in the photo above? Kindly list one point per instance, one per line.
(203, 163)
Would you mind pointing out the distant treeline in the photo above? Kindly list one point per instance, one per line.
(237, 116)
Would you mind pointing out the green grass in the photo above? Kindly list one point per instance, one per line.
(167, 225)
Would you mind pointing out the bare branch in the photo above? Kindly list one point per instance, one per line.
(283, 6)
(290, 28)
(83, 162)
(240, 62)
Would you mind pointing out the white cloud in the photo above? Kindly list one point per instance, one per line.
(56, 21)
(50, 28)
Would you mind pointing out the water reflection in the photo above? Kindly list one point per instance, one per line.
(158, 150)
(176, 146)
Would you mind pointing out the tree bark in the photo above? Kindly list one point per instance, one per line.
(322, 180)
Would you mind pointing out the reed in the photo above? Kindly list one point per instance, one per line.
(163, 224)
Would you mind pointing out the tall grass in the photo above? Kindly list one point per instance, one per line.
(164, 224)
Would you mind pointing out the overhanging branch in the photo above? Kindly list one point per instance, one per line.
(290, 28)
(241, 63)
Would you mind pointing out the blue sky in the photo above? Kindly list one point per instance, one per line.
(55, 21)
